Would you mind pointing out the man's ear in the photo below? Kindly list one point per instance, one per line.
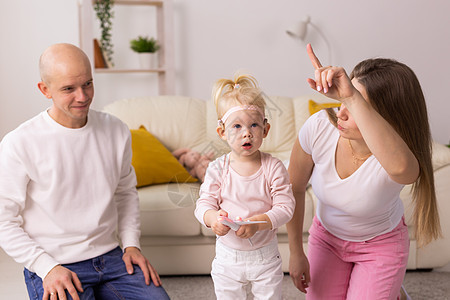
(221, 132)
(44, 89)
(266, 129)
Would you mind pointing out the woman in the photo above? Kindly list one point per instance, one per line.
(357, 161)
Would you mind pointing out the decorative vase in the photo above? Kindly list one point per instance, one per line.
(148, 60)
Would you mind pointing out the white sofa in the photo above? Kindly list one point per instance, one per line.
(174, 240)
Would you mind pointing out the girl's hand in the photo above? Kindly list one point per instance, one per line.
(247, 231)
(330, 81)
(217, 227)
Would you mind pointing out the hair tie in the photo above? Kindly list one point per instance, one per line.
(236, 86)
(233, 109)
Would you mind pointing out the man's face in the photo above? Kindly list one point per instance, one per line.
(70, 85)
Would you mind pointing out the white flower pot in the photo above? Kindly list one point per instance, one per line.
(148, 60)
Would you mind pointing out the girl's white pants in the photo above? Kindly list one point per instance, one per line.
(233, 269)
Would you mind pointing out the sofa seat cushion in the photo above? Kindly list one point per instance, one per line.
(168, 209)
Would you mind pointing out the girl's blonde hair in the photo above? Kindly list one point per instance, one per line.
(395, 93)
(242, 90)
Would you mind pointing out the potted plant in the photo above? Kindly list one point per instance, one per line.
(146, 48)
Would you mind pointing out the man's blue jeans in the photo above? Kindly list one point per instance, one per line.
(103, 277)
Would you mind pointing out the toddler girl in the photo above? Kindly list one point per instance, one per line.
(249, 184)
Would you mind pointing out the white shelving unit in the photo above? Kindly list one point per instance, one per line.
(164, 30)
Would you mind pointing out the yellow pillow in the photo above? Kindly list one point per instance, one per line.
(315, 107)
(152, 161)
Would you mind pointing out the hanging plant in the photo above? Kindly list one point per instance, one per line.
(103, 8)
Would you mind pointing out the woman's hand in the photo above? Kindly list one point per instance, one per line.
(299, 271)
(330, 81)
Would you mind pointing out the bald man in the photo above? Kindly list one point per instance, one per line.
(68, 195)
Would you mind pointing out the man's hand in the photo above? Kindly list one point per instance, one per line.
(133, 256)
(58, 280)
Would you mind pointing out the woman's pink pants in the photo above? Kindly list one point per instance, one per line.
(368, 270)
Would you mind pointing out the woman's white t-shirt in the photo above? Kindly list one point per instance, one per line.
(357, 208)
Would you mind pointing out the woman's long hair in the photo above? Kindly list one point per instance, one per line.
(395, 93)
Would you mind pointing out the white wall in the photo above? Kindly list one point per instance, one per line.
(26, 29)
(215, 38)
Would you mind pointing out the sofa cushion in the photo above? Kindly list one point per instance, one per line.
(174, 120)
(315, 106)
(280, 115)
(152, 162)
(168, 209)
(441, 156)
(214, 142)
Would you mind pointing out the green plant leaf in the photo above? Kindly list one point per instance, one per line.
(105, 14)
(144, 44)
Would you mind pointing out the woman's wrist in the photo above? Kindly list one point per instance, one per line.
(356, 98)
